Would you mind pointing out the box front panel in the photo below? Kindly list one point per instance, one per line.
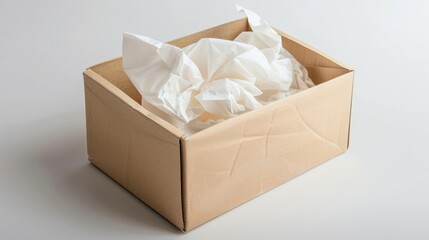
(232, 162)
(133, 149)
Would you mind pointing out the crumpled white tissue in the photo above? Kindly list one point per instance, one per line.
(214, 77)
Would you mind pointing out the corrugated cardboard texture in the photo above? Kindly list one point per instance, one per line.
(190, 179)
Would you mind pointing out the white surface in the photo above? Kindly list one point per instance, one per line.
(379, 189)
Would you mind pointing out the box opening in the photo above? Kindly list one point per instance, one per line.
(320, 68)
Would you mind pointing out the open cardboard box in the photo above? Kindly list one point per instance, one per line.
(191, 179)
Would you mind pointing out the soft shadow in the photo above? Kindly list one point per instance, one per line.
(88, 184)
(55, 163)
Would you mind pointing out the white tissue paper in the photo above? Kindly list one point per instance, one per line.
(213, 79)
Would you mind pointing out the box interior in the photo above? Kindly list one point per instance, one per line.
(320, 68)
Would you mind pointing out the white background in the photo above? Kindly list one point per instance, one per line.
(379, 189)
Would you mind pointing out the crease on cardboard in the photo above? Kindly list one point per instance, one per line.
(350, 114)
(127, 163)
(347, 107)
(183, 182)
(235, 159)
(268, 133)
(314, 132)
(266, 136)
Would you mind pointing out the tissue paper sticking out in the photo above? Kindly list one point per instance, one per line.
(214, 77)
(163, 74)
(286, 70)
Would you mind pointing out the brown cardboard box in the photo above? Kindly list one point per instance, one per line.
(190, 179)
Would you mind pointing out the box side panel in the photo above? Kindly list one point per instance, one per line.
(323, 74)
(134, 150)
(230, 163)
(307, 55)
(113, 72)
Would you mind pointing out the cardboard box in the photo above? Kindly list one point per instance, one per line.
(191, 179)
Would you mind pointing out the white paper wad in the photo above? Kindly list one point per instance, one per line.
(215, 77)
